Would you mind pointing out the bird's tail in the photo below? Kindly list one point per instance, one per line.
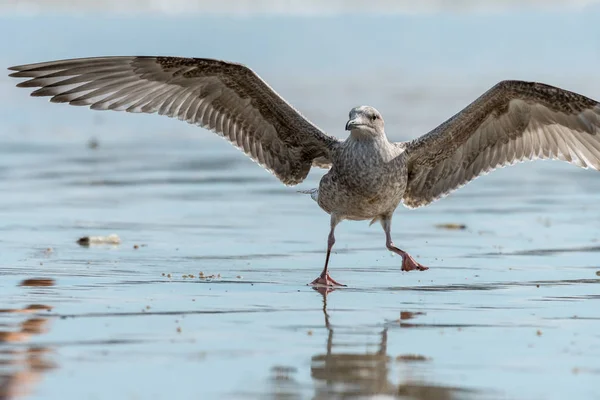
(314, 193)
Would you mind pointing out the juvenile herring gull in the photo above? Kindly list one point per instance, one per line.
(368, 175)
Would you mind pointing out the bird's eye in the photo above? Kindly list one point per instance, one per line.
(373, 117)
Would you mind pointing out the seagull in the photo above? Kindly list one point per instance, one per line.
(368, 176)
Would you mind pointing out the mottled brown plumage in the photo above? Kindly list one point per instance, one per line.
(513, 121)
(227, 98)
(369, 176)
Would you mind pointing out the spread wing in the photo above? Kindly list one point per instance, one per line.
(227, 98)
(512, 122)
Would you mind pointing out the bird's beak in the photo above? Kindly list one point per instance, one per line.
(351, 124)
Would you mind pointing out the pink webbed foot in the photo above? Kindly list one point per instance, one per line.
(409, 264)
(325, 280)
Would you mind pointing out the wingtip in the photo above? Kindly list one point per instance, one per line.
(26, 84)
(19, 73)
(42, 92)
(58, 98)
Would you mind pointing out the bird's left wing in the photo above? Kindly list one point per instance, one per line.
(227, 98)
(513, 121)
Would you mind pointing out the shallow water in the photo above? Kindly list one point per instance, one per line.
(509, 308)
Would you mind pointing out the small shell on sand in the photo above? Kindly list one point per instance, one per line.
(452, 226)
(90, 240)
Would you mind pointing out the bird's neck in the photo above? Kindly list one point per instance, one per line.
(368, 139)
(366, 136)
(370, 146)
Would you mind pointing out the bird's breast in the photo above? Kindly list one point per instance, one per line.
(370, 169)
(362, 185)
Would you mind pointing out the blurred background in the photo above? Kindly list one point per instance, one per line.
(508, 309)
(388, 54)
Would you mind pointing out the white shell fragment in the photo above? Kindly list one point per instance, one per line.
(91, 240)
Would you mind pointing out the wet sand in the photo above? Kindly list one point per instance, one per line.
(509, 302)
(206, 296)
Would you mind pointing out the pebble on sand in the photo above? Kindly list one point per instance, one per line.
(404, 315)
(412, 357)
(38, 282)
(93, 143)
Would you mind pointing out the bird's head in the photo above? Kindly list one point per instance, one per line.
(365, 121)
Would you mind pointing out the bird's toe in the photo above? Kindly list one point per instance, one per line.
(325, 280)
(409, 264)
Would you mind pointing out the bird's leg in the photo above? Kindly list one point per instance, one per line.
(408, 263)
(324, 278)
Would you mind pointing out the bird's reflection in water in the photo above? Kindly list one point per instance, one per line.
(340, 373)
(21, 364)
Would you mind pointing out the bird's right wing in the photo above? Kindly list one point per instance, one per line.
(513, 121)
(227, 98)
